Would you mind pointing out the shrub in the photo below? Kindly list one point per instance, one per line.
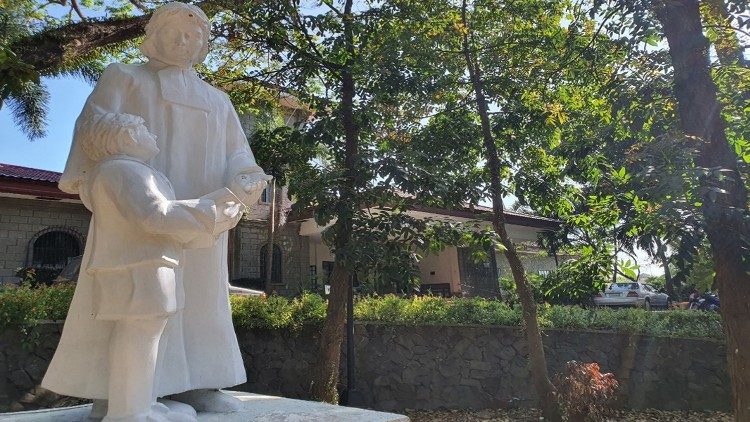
(574, 282)
(36, 277)
(584, 392)
(277, 312)
(24, 306)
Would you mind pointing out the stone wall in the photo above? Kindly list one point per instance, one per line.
(22, 219)
(430, 367)
(294, 254)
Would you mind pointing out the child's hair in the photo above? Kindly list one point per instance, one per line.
(102, 135)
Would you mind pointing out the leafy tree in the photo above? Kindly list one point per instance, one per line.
(716, 178)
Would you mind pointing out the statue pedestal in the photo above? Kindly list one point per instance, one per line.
(257, 407)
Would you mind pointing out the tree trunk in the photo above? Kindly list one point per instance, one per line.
(724, 202)
(270, 191)
(661, 251)
(326, 374)
(538, 363)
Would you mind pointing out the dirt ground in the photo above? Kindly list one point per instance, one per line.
(528, 415)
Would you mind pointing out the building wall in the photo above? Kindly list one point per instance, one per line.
(441, 268)
(21, 219)
(294, 252)
(533, 262)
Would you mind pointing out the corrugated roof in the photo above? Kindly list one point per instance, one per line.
(27, 173)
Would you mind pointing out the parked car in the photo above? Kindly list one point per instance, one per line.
(69, 274)
(634, 294)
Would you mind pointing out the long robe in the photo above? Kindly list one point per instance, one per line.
(202, 148)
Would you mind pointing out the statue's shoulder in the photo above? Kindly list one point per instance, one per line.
(123, 168)
(216, 92)
(123, 71)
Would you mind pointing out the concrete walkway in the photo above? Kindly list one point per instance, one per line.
(258, 408)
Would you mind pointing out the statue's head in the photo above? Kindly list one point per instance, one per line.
(104, 135)
(177, 34)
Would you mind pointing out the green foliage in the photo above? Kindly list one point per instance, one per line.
(25, 306)
(277, 312)
(433, 310)
(35, 277)
(575, 281)
(510, 293)
(282, 151)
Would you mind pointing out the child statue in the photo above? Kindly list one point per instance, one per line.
(140, 232)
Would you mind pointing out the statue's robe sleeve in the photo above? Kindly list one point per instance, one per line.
(240, 159)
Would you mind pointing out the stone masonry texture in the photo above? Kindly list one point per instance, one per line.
(430, 367)
(21, 219)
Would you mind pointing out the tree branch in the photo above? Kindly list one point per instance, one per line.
(140, 6)
(51, 49)
(77, 8)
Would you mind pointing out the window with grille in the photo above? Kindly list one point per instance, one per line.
(54, 249)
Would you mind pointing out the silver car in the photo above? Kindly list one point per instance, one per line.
(635, 294)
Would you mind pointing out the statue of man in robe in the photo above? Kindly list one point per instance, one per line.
(203, 148)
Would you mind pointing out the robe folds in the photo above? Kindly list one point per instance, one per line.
(202, 149)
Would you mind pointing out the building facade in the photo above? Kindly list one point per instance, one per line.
(43, 227)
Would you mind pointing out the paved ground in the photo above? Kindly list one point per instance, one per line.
(528, 415)
(257, 408)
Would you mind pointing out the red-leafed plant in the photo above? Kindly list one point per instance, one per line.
(584, 392)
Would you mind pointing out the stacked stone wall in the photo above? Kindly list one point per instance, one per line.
(22, 219)
(429, 367)
(294, 255)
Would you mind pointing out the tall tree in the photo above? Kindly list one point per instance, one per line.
(544, 388)
(724, 202)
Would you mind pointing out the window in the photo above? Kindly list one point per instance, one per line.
(275, 264)
(54, 248)
(264, 196)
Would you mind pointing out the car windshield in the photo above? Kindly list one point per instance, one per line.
(623, 286)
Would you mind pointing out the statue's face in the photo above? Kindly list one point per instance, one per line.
(178, 41)
(145, 147)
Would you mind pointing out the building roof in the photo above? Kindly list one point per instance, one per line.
(27, 173)
(476, 212)
(19, 181)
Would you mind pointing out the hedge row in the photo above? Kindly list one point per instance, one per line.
(23, 306)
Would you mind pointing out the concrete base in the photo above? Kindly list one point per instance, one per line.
(258, 408)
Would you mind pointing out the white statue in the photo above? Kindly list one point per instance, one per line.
(136, 249)
(202, 149)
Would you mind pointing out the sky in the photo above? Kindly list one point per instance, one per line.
(67, 96)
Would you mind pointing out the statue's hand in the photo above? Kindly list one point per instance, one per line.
(252, 182)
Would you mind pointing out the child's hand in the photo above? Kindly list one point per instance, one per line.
(231, 209)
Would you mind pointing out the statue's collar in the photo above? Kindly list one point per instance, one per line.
(181, 85)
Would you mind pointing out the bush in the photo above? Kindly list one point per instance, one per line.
(584, 392)
(277, 312)
(24, 306)
(35, 277)
(435, 310)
